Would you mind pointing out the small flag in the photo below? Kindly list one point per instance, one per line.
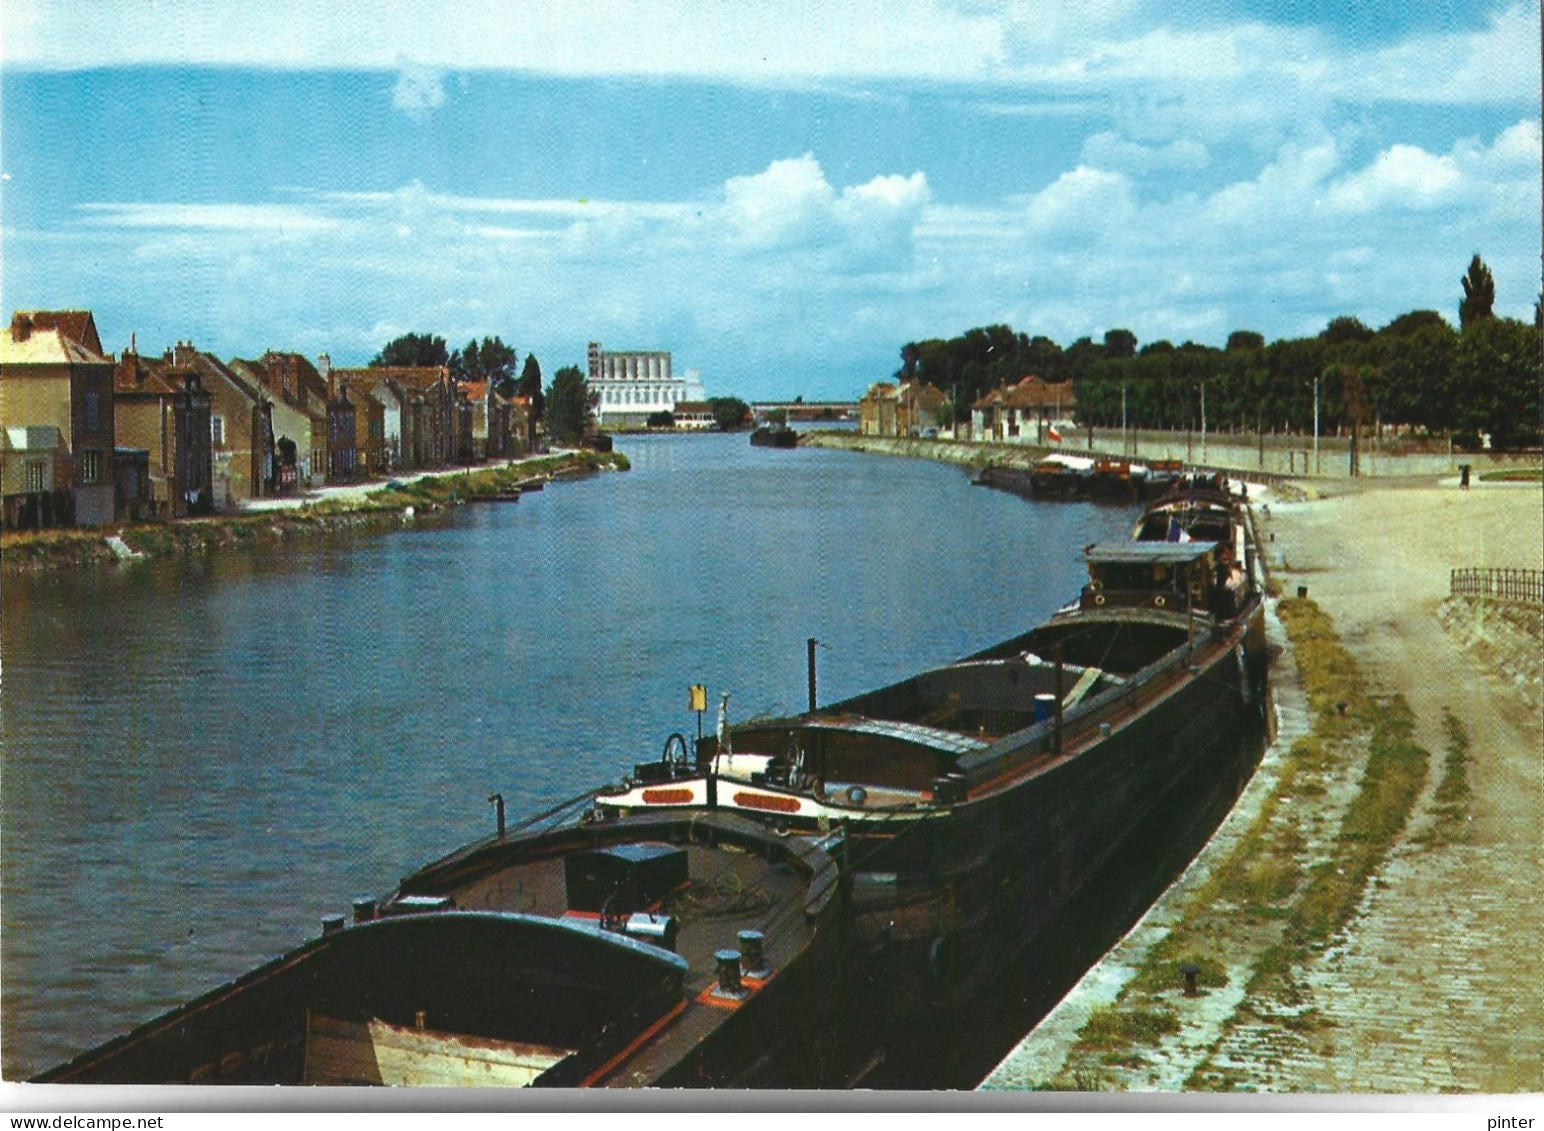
(1054, 434)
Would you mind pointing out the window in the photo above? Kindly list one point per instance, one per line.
(90, 466)
(35, 476)
(93, 404)
(217, 431)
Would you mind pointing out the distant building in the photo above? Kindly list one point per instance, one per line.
(1007, 412)
(164, 410)
(906, 409)
(693, 416)
(632, 384)
(56, 417)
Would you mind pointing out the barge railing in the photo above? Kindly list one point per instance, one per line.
(1498, 584)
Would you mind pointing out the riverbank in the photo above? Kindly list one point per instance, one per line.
(1367, 919)
(425, 497)
(1284, 463)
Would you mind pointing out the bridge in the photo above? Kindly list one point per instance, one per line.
(808, 410)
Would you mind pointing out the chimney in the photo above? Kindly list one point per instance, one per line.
(21, 327)
(324, 369)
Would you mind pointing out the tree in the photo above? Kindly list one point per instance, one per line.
(570, 406)
(530, 386)
(491, 361)
(1412, 322)
(729, 413)
(1120, 343)
(412, 349)
(1495, 385)
(1479, 294)
(1345, 330)
(1245, 340)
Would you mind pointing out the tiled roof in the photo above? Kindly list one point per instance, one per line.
(77, 325)
(414, 376)
(153, 376)
(47, 347)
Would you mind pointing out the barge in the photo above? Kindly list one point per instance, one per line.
(797, 902)
(669, 949)
(774, 436)
(1103, 479)
(1030, 798)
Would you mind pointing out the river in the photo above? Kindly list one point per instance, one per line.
(204, 756)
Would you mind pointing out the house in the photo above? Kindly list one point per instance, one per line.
(906, 409)
(164, 409)
(476, 394)
(369, 428)
(397, 403)
(240, 429)
(1022, 412)
(57, 415)
(876, 411)
(299, 414)
(342, 445)
(509, 425)
(693, 416)
(418, 411)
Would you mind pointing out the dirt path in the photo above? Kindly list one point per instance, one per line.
(1439, 983)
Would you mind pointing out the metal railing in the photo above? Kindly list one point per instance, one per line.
(1499, 584)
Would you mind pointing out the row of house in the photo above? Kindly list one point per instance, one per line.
(90, 439)
(1025, 411)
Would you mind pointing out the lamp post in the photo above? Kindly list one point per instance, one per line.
(1316, 424)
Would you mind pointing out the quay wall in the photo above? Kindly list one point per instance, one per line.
(1269, 456)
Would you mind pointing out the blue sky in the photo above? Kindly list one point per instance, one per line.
(780, 193)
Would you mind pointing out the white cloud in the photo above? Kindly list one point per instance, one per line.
(1402, 177)
(788, 203)
(420, 89)
(1080, 204)
(278, 219)
(1029, 49)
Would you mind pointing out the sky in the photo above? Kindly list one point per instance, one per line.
(780, 193)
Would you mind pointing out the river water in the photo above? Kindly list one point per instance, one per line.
(204, 756)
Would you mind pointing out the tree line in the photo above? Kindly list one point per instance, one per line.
(1418, 372)
(566, 407)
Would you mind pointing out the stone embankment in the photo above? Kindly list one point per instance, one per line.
(363, 508)
(1280, 458)
(1368, 918)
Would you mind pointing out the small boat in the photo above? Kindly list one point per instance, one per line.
(772, 436)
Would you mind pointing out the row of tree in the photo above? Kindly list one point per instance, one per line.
(1417, 372)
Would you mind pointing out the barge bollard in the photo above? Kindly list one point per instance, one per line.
(364, 910)
(1190, 970)
(753, 954)
(331, 924)
(729, 984)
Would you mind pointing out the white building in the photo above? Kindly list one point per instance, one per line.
(633, 384)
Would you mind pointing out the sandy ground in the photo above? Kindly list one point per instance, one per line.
(1439, 984)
